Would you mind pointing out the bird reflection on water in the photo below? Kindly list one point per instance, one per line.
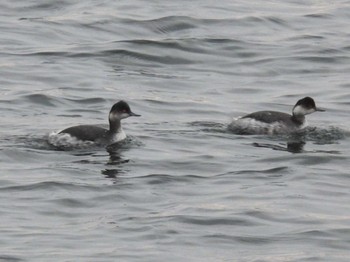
(115, 159)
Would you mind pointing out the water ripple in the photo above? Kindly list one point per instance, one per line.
(50, 186)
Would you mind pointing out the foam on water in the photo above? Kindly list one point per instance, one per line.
(66, 141)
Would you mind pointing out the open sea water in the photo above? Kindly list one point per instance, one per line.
(183, 186)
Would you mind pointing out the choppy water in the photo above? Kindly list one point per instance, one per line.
(182, 187)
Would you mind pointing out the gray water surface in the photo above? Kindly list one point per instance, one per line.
(182, 187)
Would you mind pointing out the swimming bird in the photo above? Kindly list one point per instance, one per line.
(271, 122)
(97, 134)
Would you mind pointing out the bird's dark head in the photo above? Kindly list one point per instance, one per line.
(120, 111)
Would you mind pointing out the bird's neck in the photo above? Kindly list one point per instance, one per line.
(298, 119)
(115, 126)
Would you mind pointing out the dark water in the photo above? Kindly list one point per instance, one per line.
(182, 187)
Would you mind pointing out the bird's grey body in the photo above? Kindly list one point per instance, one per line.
(270, 117)
(89, 133)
